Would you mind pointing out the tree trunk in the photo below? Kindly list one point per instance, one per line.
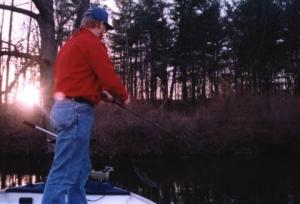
(8, 57)
(153, 84)
(147, 86)
(134, 76)
(173, 83)
(184, 90)
(203, 85)
(84, 5)
(194, 80)
(131, 77)
(164, 81)
(216, 83)
(141, 68)
(297, 73)
(297, 82)
(27, 46)
(1, 62)
(48, 48)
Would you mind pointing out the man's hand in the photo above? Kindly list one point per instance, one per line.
(107, 97)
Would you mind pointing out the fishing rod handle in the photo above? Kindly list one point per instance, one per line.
(29, 124)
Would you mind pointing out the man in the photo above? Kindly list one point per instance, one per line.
(82, 72)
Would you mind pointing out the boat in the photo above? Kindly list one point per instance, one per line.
(97, 192)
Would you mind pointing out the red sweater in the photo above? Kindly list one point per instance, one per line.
(84, 69)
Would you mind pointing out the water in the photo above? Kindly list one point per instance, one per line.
(185, 180)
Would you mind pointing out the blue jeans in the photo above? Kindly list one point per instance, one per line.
(71, 165)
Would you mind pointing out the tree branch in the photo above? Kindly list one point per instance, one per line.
(16, 53)
(68, 17)
(19, 10)
(17, 75)
(9, 44)
(83, 6)
(77, 10)
(45, 7)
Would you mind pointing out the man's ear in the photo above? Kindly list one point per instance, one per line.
(103, 26)
(99, 24)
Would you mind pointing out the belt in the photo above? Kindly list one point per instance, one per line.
(81, 99)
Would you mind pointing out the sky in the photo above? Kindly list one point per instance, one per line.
(19, 33)
(20, 19)
(19, 30)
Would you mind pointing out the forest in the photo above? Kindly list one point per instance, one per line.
(222, 77)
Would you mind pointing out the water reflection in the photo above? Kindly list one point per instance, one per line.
(186, 181)
(12, 180)
(17, 180)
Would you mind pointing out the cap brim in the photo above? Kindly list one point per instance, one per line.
(108, 27)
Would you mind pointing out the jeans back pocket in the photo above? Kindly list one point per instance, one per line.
(62, 116)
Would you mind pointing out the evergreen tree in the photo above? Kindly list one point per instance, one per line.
(198, 45)
(257, 27)
(292, 40)
(141, 42)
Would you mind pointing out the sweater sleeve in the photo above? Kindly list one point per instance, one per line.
(108, 78)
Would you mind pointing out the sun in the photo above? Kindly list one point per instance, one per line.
(29, 95)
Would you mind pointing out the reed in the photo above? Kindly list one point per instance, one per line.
(246, 126)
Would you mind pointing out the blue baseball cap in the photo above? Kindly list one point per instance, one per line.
(99, 14)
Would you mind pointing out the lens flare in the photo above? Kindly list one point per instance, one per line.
(30, 95)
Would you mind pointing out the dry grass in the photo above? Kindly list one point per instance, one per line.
(17, 139)
(247, 126)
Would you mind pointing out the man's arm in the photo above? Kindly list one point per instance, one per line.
(109, 79)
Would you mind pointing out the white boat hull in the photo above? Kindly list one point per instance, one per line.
(116, 196)
(14, 198)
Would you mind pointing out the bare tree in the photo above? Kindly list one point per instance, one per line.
(1, 58)
(9, 49)
(48, 36)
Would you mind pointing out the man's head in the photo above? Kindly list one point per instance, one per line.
(96, 18)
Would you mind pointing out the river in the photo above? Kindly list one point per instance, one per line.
(184, 180)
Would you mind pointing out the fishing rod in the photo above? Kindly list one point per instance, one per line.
(112, 100)
(109, 99)
(50, 140)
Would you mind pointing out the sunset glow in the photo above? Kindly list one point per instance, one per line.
(30, 95)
